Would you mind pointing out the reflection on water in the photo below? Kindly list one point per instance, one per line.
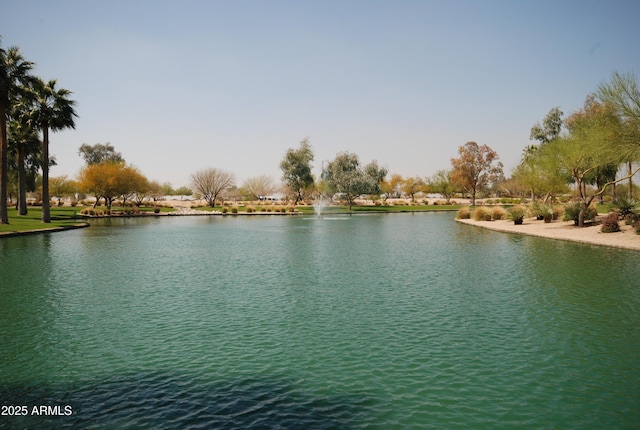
(384, 321)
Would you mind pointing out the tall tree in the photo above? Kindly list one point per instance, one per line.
(533, 176)
(623, 95)
(99, 153)
(550, 128)
(592, 143)
(210, 183)
(24, 142)
(259, 187)
(49, 109)
(155, 191)
(109, 181)
(344, 175)
(442, 184)
(414, 185)
(62, 186)
(296, 169)
(14, 72)
(183, 191)
(392, 186)
(376, 175)
(167, 189)
(476, 167)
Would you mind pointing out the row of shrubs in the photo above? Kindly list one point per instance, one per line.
(492, 213)
(92, 212)
(548, 213)
(133, 210)
(504, 201)
(541, 211)
(252, 209)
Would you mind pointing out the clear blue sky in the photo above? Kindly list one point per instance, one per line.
(178, 86)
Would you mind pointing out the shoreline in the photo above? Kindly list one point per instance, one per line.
(564, 230)
(558, 230)
(43, 230)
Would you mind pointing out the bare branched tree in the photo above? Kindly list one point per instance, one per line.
(210, 183)
(259, 186)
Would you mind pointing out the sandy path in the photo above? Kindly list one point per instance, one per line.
(627, 238)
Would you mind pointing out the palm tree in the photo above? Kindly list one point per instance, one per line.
(50, 109)
(25, 144)
(14, 70)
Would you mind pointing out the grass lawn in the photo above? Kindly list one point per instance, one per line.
(60, 217)
(64, 216)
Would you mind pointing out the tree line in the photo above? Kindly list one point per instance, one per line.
(591, 150)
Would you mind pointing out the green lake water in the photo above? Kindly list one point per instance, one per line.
(396, 321)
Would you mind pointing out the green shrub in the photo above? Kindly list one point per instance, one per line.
(225, 209)
(517, 213)
(498, 213)
(234, 210)
(482, 213)
(633, 219)
(463, 213)
(156, 210)
(610, 223)
(625, 206)
(558, 211)
(572, 212)
(542, 211)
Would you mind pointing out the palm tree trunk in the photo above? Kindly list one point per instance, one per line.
(4, 177)
(46, 210)
(22, 183)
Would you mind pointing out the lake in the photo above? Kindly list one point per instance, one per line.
(390, 321)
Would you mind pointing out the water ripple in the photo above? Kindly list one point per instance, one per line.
(287, 322)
